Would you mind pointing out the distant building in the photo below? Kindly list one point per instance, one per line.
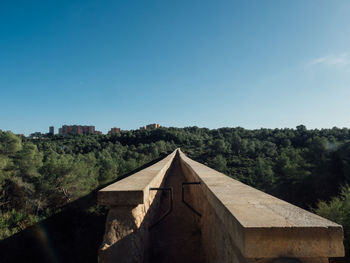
(114, 130)
(150, 126)
(153, 126)
(51, 130)
(76, 130)
(36, 135)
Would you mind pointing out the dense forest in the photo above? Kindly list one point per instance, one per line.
(309, 168)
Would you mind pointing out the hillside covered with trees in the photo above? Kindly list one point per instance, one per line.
(309, 168)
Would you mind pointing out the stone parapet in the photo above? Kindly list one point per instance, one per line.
(242, 224)
(132, 206)
(237, 223)
(134, 189)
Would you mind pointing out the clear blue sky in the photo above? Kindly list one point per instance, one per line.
(208, 63)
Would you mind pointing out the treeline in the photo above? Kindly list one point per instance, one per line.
(39, 177)
(304, 167)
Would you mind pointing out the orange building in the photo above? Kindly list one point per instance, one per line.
(150, 126)
(114, 130)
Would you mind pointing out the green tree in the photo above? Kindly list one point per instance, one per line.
(219, 163)
(338, 210)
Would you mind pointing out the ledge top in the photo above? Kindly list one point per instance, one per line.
(253, 208)
(133, 190)
(263, 226)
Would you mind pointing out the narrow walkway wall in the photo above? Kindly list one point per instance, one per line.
(132, 206)
(242, 224)
(237, 224)
(177, 238)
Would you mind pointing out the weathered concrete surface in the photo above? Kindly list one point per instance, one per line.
(238, 223)
(132, 206)
(241, 223)
(134, 189)
(176, 239)
(124, 236)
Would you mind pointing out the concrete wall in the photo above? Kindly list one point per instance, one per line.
(242, 224)
(238, 223)
(131, 209)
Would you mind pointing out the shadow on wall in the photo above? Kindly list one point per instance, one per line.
(132, 244)
(72, 235)
(128, 229)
